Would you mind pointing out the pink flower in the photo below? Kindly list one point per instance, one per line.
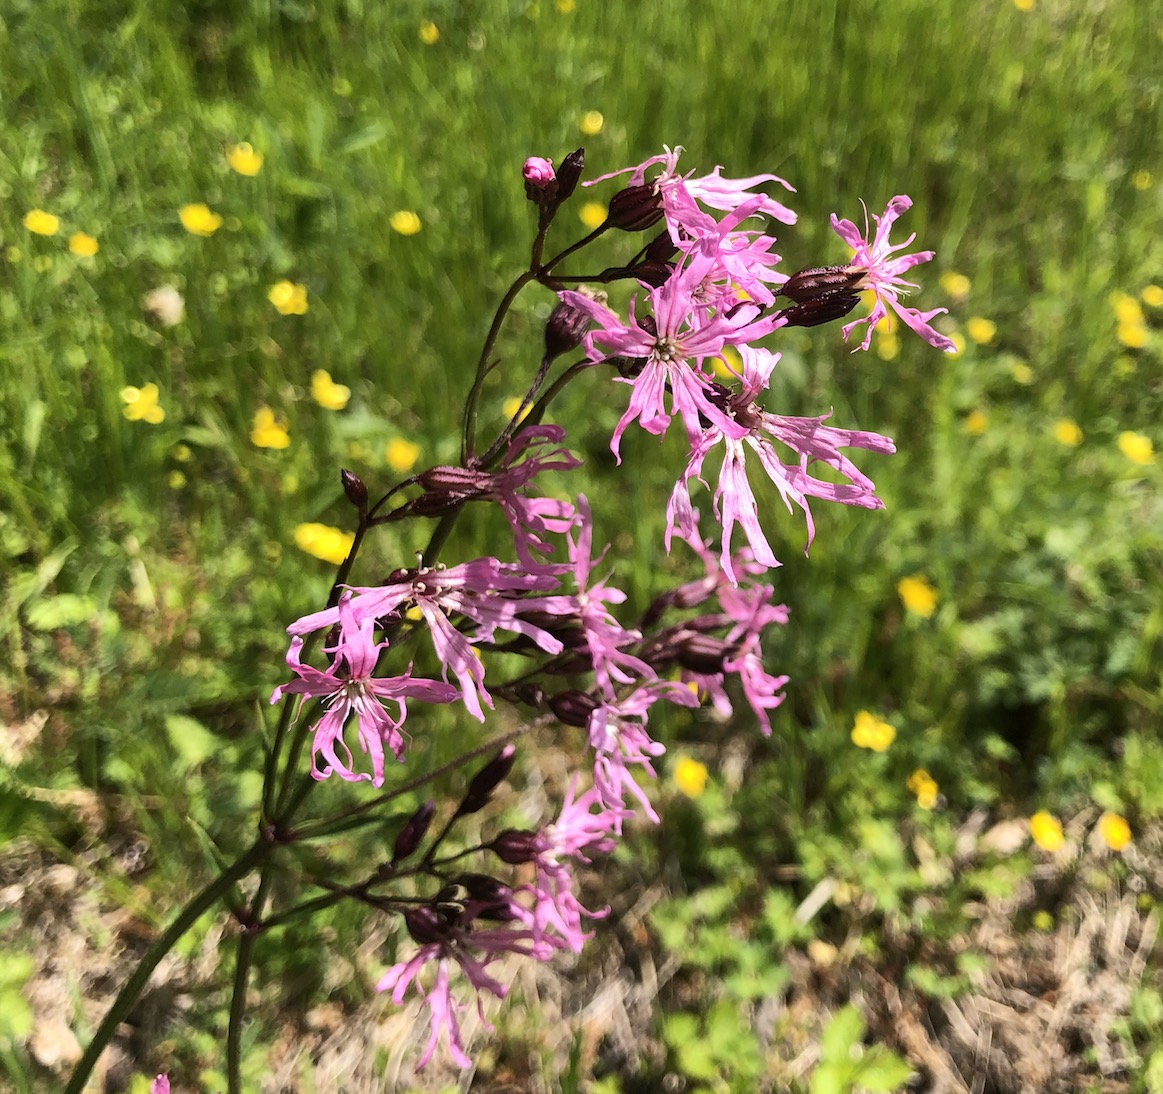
(538, 171)
(883, 275)
(350, 687)
(712, 190)
(755, 429)
(488, 592)
(452, 944)
(160, 1085)
(552, 850)
(672, 346)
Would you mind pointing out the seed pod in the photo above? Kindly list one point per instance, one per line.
(823, 309)
(573, 707)
(354, 488)
(635, 208)
(515, 846)
(485, 781)
(413, 833)
(569, 173)
(822, 281)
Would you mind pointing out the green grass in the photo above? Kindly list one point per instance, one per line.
(149, 570)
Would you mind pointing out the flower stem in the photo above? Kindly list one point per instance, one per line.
(242, 966)
(128, 995)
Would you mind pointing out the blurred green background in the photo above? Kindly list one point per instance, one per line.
(150, 566)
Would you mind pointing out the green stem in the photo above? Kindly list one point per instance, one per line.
(127, 997)
(238, 998)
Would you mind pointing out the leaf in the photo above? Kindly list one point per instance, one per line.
(192, 741)
(365, 138)
(52, 613)
(844, 1031)
(881, 1070)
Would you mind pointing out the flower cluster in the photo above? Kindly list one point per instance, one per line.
(687, 347)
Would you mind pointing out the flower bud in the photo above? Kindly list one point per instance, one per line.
(824, 309)
(660, 249)
(515, 846)
(821, 281)
(413, 832)
(454, 478)
(354, 488)
(573, 707)
(565, 329)
(485, 781)
(425, 925)
(703, 653)
(437, 503)
(540, 181)
(569, 174)
(488, 898)
(635, 208)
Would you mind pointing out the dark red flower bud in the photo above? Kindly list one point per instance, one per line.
(654, 274)
(573, 707)
(413, 832)
(515, 846)
(438, 503)
(703, 653)
(565, 329)
(822, 281)
(485, 781)
(354, 488)
(824, 309)
(635, 208)
(569, 173)
(425, 925)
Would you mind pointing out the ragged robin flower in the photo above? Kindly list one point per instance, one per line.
(141, 404)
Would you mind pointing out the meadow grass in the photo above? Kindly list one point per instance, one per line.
(150, 568)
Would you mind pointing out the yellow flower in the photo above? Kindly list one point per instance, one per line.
(176, 479)
(1132, 335)
(141, 404)
(323, 542)
(729, 360)
(267, 431)
(925, 787)
(690, 776)
(565, 6)
(1046, 831)
(1024, 5)
(592, 214)
(405, 222)
(1066, 432)
(917, 595)
(244, 159)
(183, 453)
(869, 731)
(326, 392)
(288, 297)
(401, 455)
(1115, 831)
(1022, 373)
(591, 123)
(512, 404)
(1126, 308)
(83, 245)
(1141, 180)
(199, 220)
(976, 423)
(980, 330)
(429, 33)
(955, 284)
(1137, 448)
(41, 223)
(888, 346)
(1152, 296)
